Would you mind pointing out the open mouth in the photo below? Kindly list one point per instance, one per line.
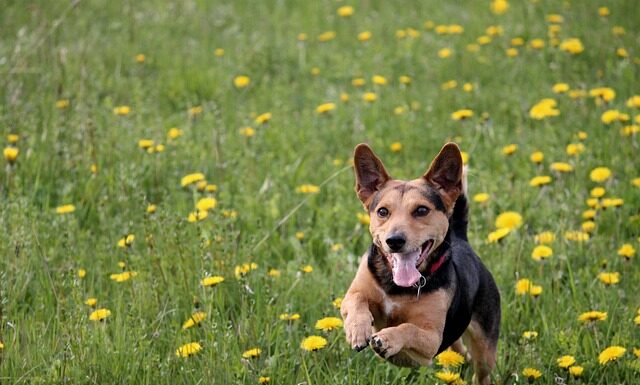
(405, 265)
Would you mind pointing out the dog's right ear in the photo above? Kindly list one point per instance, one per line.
(370, 172)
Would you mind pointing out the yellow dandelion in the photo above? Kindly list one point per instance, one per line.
(561, 167)
(577, 236)
(247, 132)
(449, 359)
(396, 147)
(99, 314)
(573, 149)
(573, 46)
(592, 315)
(364, 36)
(197, 216)
(447, 377)
(609, 278)
(566, 361)
(327, 36)
(540, 181)
(65, 209)
(307, 269)
(195, 319)
(576, 371)
(369, 97)
(531, 373)
(537, 157)
(462, 114)
(481, 197)
(91, 302)
(345, 11)
(364, 219)
(82, 273)
(313, 343)
(205, 204)
(308, 189)
(212, 280)
(612, 353)
(325, 107)
(188, 350)
(509, 149)
(530, 335)
(140, 58)
(124, 276)
(191, 179)
(218, 52)
(337, 302)
(263, 118)
(273, 273)
(627, 250)
(126, 241)
(122, 110)
(497, 235)
(499, 7)
(264, 380)
(508, 220)
(541, 252)
(523, 286)
(600, 174)
(289, 317)
(328, 323)
(252, 353)
(241, 81)
(545, 237)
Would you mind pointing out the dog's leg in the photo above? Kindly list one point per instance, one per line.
(459, 347)
(420, 344)
(483, 353)
(358, 320)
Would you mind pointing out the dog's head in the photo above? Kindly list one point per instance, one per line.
(409, 219)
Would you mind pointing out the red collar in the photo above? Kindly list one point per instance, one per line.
(438, 263)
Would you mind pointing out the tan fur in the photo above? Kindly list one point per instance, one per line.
(407, 327)
(483, 355)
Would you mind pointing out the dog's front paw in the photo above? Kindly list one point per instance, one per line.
(358, 331)
(383, 344)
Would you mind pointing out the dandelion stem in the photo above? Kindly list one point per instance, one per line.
(306, 371)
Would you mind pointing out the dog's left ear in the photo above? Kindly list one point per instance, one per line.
(445, 173)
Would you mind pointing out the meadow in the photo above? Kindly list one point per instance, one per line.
(177, 200)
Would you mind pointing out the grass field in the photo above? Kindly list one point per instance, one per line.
(111, 106)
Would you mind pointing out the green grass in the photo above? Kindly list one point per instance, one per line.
(51, 50)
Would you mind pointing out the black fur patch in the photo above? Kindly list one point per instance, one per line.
(432, 196)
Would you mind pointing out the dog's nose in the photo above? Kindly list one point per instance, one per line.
(396, 242)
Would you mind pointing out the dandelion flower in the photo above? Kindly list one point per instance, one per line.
(65, 209)
(523, 286)
(497, 235)
(530, 335)
(337, 302)
(252, 353)
(543, 109)
(609, 278)
(273, 273)
(195, 319)
(99, 314)
(91, 302)
(212, 280)
(576, 371)
(188, 350)
(537, 157)
(573, 149)
(197, 216)
(328, 323)
(545, 237)
(369, 97)
(126, 241)
(263, 118)
(592, 315)
(308, 189)
(561, 167)
(560, 88)
(600, 174)
(307, 269)
(396, 147)
(191, 179)
(448, 377)
(345, 11)
(541, 252)
(151, 208)
(627, 250)
(509, 149)
(499, 7)
(481, 197)
(313, 343)
(205, 204)
(124, 276)
(364, 219)
(604, 94)
(541, 180)
(122, 110)
(566, 361)
(462, 114)
(326, 36)
(247, 132)
(531, 374)
(509, 220)
(577, 236)
(241, 81)
(611, 353)
(174, 133)
(449, 359)
(573, 46)
(62, 104)
(364, 36)
(82, 273)
(289, 317)
(325, 107)
(264, 380)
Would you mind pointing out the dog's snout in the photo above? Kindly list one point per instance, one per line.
(396, 242)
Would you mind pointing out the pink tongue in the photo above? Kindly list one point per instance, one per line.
(405, 273)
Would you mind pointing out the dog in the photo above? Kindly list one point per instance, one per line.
(420, 288)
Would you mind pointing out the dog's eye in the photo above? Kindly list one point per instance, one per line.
(421, 211)
(383, 212)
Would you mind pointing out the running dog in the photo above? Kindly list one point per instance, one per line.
(420, 288)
